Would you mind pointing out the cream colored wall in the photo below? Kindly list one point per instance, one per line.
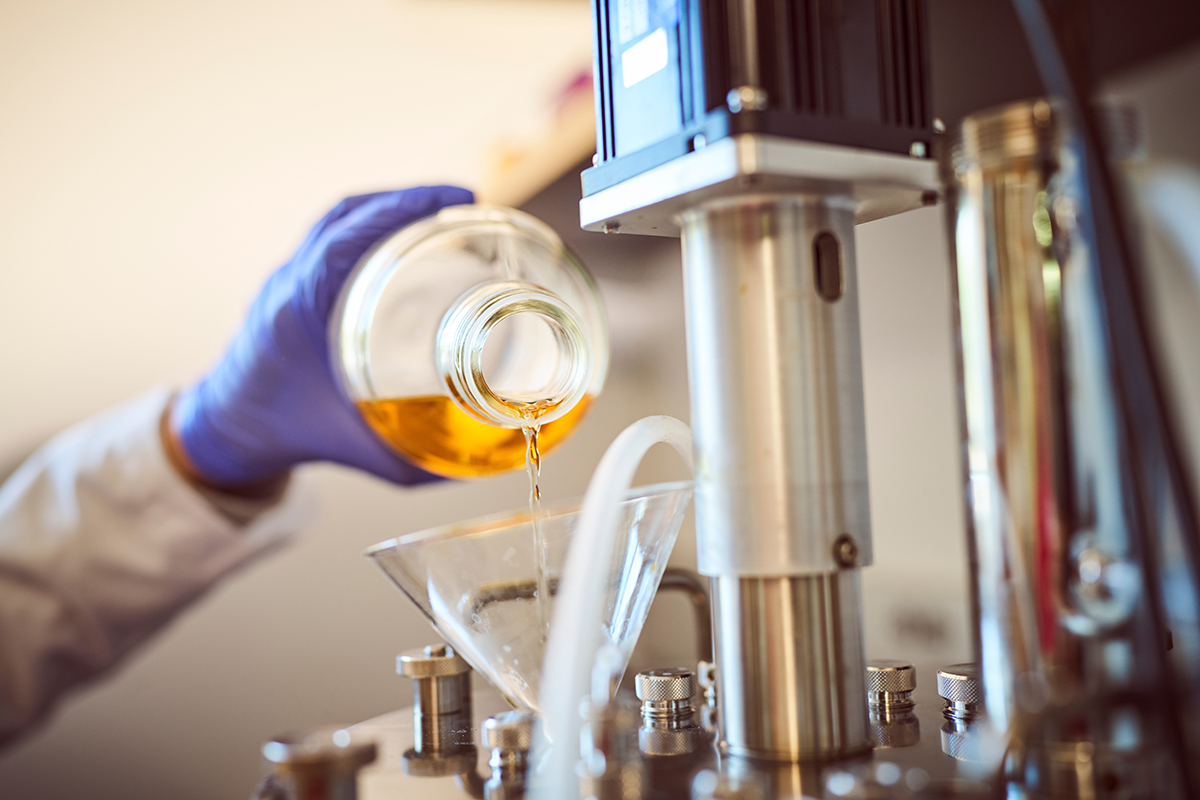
(157, 160)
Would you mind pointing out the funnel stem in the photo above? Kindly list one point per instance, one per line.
(575, 632)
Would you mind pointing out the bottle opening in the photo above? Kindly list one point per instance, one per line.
(522, 357)
(513, 354)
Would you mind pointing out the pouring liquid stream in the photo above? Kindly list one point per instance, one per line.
(533, 465)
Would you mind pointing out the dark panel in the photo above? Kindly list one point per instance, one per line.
(979, 56)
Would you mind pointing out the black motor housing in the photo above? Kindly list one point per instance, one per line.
(845, 72)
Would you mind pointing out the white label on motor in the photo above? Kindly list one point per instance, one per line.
(645, 58)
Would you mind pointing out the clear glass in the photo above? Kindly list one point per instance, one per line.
(463, 328)
(476, 581)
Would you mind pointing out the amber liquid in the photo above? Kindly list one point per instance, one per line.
(433, 433)
(533, 466)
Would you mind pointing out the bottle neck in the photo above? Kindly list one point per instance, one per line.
(460, 355)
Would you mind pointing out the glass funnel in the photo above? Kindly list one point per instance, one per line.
(476, 581)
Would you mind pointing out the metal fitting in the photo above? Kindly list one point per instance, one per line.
(315, 764)
(441, 703)
(432, 661)
(960, 687)
(890, 684)
(666, 694)
(509, 736)
(669, 725)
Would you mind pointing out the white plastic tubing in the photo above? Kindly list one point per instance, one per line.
(575, 629)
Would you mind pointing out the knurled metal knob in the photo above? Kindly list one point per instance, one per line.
(887, 676)
(511, 731)
(664, 685)
(959, 683)
(434, 661)
(890, 684)
(666, 696)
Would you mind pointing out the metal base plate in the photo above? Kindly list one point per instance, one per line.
(882, 184)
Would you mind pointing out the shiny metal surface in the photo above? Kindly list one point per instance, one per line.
(877, 184)
(890, 684)
(512, 730)
(921, 770)
(791, 666)
(432, 661)
(775, 379)
(509, 735)
(441, 703)
(959, 683)
(321, 764)
(665, 685)
(899, 728)
(1072, 511)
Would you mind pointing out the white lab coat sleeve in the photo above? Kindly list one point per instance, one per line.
(102, 543)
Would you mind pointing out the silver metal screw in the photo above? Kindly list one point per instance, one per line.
(845, 551)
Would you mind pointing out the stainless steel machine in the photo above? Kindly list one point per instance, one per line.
(760, 133)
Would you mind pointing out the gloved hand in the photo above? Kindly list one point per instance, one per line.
(274, 401)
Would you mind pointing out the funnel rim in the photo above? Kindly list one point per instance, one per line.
(488, 524)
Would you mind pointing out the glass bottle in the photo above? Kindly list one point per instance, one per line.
(459, 331)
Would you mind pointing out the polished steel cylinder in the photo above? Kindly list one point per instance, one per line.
(775, 375)
(441, 696)
(790, 666)
(1069, 649)
(782, 513)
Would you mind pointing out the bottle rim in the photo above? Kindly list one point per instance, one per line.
(464, 331)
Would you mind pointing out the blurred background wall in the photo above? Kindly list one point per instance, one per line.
(159, 160)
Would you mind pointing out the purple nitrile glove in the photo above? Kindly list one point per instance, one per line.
(274, 401)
